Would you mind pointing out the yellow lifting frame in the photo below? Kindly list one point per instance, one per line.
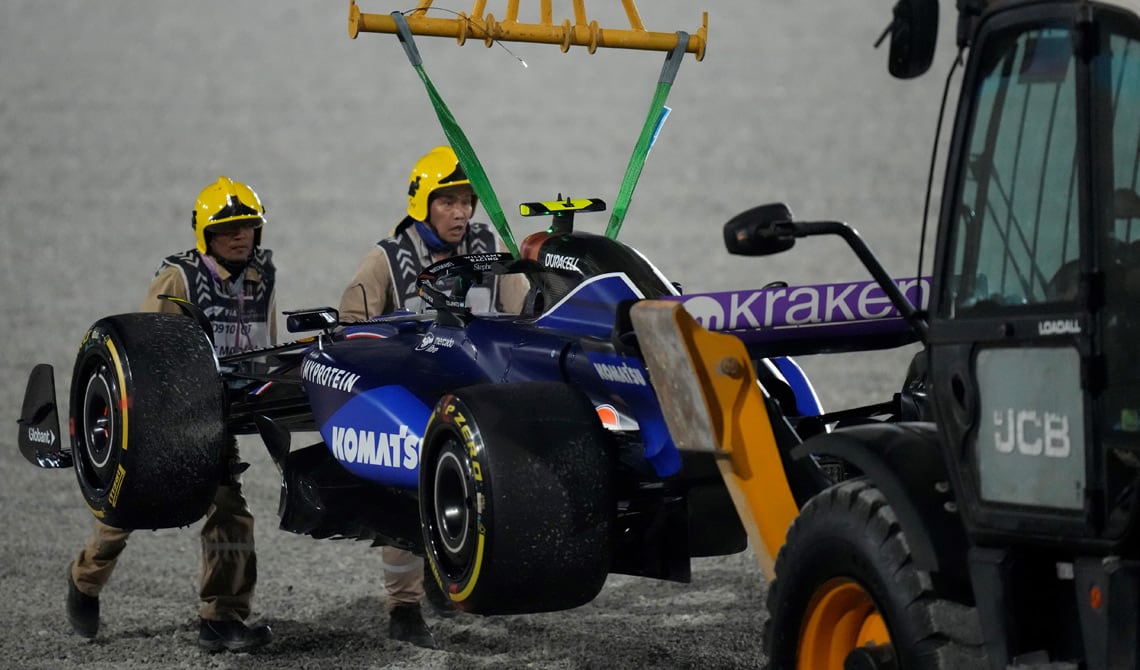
(582, 32)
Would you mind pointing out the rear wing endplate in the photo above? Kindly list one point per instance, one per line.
(39, 439)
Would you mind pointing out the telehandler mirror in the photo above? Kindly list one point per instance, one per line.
(756, 232)
(914, 35)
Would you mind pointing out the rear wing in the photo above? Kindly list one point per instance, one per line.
(820, 318)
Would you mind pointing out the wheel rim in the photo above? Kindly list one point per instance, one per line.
(452, 505)
(841, 616)
(98, 427)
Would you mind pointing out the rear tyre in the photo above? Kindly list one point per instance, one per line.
(846, 586)
(147, 415)
(516, 498)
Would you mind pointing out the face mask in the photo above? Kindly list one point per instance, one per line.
(434, 244)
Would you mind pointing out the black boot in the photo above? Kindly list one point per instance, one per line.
(82, 609)
(232, 635)
(406, 624)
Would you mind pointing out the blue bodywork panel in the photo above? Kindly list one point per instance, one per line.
(373, 386)
(373, 391)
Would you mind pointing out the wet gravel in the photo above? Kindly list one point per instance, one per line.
(113, 114)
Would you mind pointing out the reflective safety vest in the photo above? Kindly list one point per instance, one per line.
(405, 262)
(237, 307)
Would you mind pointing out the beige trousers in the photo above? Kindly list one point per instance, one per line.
(403, 577)
(229, 564)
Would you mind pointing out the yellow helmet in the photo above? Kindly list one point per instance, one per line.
(226, 201)
(437, 169)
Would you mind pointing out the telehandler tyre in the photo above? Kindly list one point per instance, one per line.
(846, 585)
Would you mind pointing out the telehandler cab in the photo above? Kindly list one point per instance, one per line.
(996, 524)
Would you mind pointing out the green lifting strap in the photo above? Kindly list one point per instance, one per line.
(467, 158)
(657, 114)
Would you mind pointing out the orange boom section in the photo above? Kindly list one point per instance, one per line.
(707, 388)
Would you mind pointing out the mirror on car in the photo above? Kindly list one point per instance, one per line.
(755, 232)
(914, 36)
(316, 318)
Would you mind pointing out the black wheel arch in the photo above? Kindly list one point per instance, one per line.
(904, 460)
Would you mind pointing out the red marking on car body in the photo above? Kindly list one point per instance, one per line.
(608, 415)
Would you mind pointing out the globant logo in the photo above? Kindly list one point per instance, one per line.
(41, 436)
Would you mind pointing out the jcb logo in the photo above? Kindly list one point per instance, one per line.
(1032, 433)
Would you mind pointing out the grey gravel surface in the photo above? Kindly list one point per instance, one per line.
(113, 114)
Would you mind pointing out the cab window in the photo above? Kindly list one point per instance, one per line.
(1015, 236)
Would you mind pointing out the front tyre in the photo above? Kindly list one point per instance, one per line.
(516, 499)
(846, 585)
(147, 416)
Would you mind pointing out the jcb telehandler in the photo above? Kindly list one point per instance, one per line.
(991, 521)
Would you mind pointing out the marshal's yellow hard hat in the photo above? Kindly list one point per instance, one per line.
(437, 169)
(226, 201)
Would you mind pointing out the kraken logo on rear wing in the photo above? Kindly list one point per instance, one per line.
(839, 312)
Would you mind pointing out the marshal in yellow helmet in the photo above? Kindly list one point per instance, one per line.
(226, 202)
(437, 169)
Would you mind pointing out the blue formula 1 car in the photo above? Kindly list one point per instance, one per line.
(525, 455)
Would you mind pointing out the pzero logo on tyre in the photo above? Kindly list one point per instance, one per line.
(453, 414)
(468, 441)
